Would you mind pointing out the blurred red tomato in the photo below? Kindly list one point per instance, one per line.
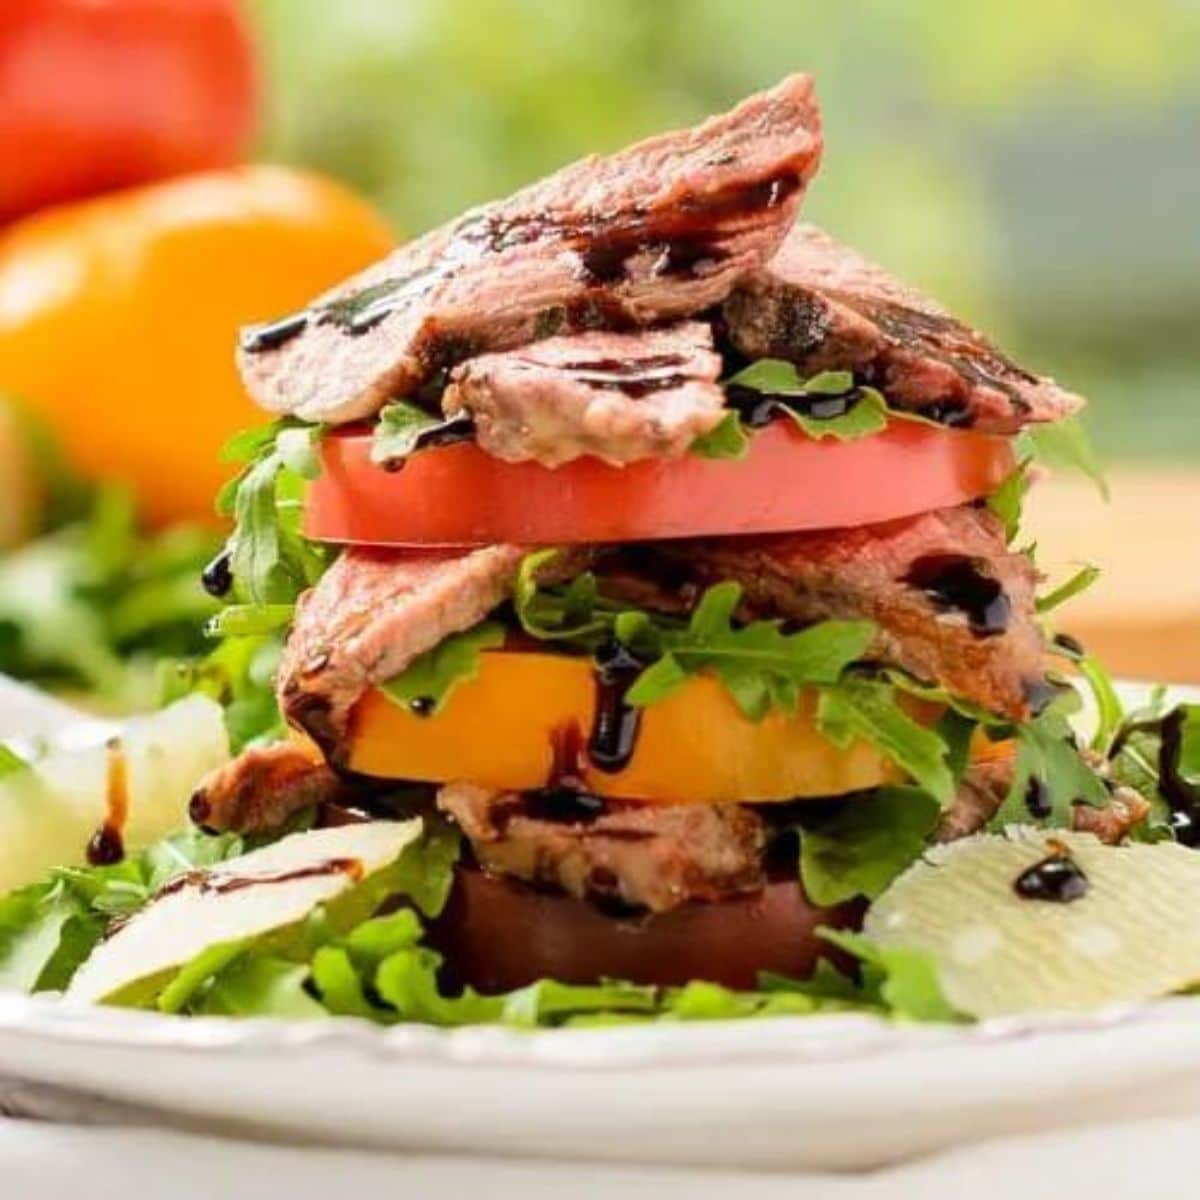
(99, 94)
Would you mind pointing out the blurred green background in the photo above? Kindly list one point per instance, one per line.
(1035, 164)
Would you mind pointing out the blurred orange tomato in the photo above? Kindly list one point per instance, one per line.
(100, 94)
(118, 316)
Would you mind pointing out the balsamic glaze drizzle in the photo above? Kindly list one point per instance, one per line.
(955, 582)
(217, 577)
(1058, 878)
(616, 724)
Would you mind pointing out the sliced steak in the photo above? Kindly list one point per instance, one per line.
(261, 789)
(823, 306)
(953, 605)
(661, 230)
(376, 610)
(619, 397)
(649, 856)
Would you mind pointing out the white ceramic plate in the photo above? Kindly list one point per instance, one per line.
(834, 1091)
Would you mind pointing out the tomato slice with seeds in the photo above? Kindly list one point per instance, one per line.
(459, 495)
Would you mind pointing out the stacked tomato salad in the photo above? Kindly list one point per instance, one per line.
(659, 544)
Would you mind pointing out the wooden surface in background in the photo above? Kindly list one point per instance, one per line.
(1142, 617)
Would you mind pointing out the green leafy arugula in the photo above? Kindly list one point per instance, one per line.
(1079, 582)
(761, 665)
(382, 970)
(1064, 444)
(867, 414)
(1136, 759)
(728, 439)
(272, 563)
(901, 981)
(49, 928)
(865, 844)
(10, 761)
(432, 676)
(866, 708)
(400, 425)
(93, 604)
(1050, 767)
(1008, 500)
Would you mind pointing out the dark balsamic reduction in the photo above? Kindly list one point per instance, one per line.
(216, 884)
(566, 758)
(635, 377)
(562, 806)
(1182, 795)
(107, 845)
(955, 582)
(616, 724)
(1058, 879)
(422, 706)
(260, 338)
(684, 239)
(217, 577)
(1037, 798)
(1070, 646)
(758, 409)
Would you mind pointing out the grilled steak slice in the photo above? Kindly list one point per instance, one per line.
(661, 230)
(619, 397)
(953, 606)
(262, 788)
(655, 857)
(374, 611)
(823, 306)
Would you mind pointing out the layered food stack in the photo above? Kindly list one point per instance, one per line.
(659, 543)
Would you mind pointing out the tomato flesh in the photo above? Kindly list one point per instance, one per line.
(459, 495)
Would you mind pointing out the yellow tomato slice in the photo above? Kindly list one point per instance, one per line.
(500, 730)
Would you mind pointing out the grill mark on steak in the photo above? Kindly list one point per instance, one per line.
(824, 306)
(619, 397)
(642, 856)
(659, 231)
(866, 572)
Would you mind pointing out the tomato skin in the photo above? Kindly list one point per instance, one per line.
(458, 495)
(102, 94)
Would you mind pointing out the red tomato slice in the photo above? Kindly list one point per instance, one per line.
(458, 495)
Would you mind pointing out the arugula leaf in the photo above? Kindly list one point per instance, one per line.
(432, 676)
(1049, 764)
(571, 614)
(758, 663)
(10, 761)
(866, 708)
(1065, 444)
(400, 424)
(1079, 582)
(867, 414)
(1008, 499)
(865, 844)
(270, 560)
(239, 675)
(1110, 711)
(249, 620)
(49, 928)
(905, 982)
(92, 605)
(260, 985)
(729, 439)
